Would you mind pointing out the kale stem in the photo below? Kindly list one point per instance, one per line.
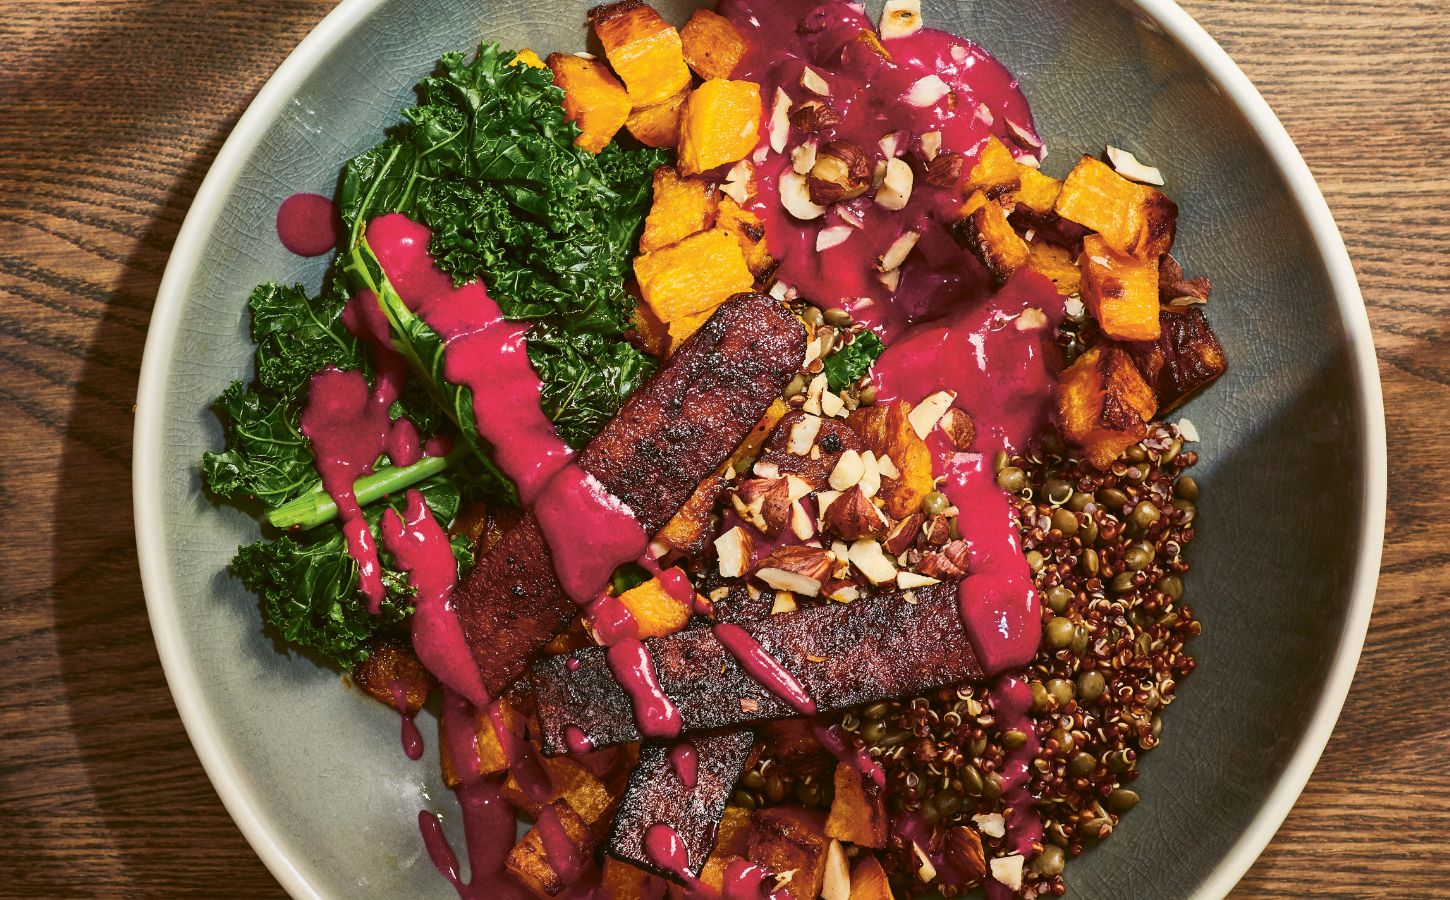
(317, 507)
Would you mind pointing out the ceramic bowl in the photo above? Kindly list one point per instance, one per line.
(1293, 469)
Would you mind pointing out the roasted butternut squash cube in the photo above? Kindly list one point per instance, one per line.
(688, 531)
(527, 57)
(995, 172)
(988, 236)
(644, 50)
(720, 124)
(1134, 219)
(682, 328)
(750, 447)
(680, 208)
(886, 430)
(693, 276)
(1055, 262)
(733, 835)
(1103, 404)
(393, 676)
(749, 231)
(593, 99)
(858, 809)
(651, 335)
(491, 756)
(713, 45)
(621, 881)
(1120, 291)
(785, 838)
(1036, 193)
(658, 125)
(570, 783)
(868, 879)
(529, 860)
(1184, 359)
(655, 610)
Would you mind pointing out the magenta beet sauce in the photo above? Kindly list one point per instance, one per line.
(309, 225)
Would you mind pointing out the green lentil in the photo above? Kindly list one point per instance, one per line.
(1012, 479)
(1081, 765)
(795, 386)
(1014, 739)
(836, 316)
(1058, 597)
(1186, 488)
(1061, 690)
(1145, 514)
(1112, 499)
(1050, 861)
(935, 503)
(1091, 684)
(1058, 632)
(999, 461)
(1057, 491)
(1122, 800)
(1063, 520)
(877, 710)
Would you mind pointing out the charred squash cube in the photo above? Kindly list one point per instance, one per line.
(570, 783)
(491, 756)
(713, 45)
(393, 676)
(868, 880)
(1055, 262)
(858, 809)
(986, 233)
(658, 125)
(1036, 193)
(688, 532)
(1120, 291)
(644, 50)
(720, 124)
(1103, 404)
(1134, 219)
(1183, 360)
(529, 860)
(691, 277)
(655, 610)
(749, 231)
(681, 207)
(886, 430)
(593, 99)
(995, 172)
(622, 881)
(785, 838)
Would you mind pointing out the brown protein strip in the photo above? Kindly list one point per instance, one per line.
(671, 434)
(842, 654)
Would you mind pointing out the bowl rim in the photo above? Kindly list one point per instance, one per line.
(208, 737)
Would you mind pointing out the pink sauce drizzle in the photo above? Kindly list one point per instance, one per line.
(611, 620)
(1011, 702)
(523, 761)
(831, 738)
(559, 848)
(664, 848)
(745, 880)
(403, 443)
(590, 532)
(677, 584)
(577, 741)
(412, 738)
(482, 352)
(654, 713)
(762, 667)
(685, 760)
(308, 225)
(422, 551)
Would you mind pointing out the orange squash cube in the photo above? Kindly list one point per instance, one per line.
(868, 880)
(785, 838)
(1134, 219)
(749, 231)
(886, 430)
(572, 783)
(682, 328)
(995, 172)
(750, 447)
(1055, 262)
(680, 208)
(529, 860)
(491, 755)
(1120, 291)
(986, 233)
(713, 45)
(655, 611)
(644, 50)
(1036, 193)
(688, 531)
(392, 663)
(693, 276)
(720, 124)
(593, 99)
(658, 125)
(621, 881)
(1103, 404)
(651, 335)
(858, 809)
(1186, 357)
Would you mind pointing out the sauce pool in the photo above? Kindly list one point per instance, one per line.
(308, 225)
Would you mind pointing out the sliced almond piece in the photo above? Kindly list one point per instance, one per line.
(832, 405)
(930, 144)
(848, 471)
(900, 18)
(765, 469)
(928, 90)
(845, 594)
(1031, 319)
(896, 254)
(910, 581)
(739, 184)
(834, 236)
(812, 81)
(891, 144)
(888, 468)
(896, 184)
(733, 549)
(924, 416)
(784, 603)
(836, 884)
(779, 126)
(1026, 136)
(794, 582)
(990, 824)
(924, 870)
(868, 556)
(1008, 870)
(796, 197)
(891, 279)
(824, 499)
(803, 158)
(813, 394)
(1127, 165)
(800, 522)
(803, 434)
(870, 482)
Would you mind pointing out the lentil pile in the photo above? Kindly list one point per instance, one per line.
(1106, 548)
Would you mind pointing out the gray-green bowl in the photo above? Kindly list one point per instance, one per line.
(1293, 442)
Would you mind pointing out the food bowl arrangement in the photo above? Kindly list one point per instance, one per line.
(766, 437)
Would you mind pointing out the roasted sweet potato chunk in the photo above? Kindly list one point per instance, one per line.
(692, 276)
(785, 838)
(868, 880)
(713, 45)
(720, 124)
(995, 172)
(658, 125)
(393, 676)
(531, 863)
(987, 234)
(1103, 404)
(655, 611)
(680, 207)
(491, 755)
(749, 232)
(1055, 262)
(644, 50)
(1036, 193)
(886, 431)
(858, 809)
(1120, 291)
(593, 99)
(572, 783)
(650, 334)
(1134, 219)
(1185, 357)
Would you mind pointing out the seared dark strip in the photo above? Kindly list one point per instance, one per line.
(842, 654)
(669, 436)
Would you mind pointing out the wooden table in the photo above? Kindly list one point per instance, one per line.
(110, 113)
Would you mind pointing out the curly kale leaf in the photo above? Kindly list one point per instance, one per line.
(308, 583)
(852, 361)
(586, 378)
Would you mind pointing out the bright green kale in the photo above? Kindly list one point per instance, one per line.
(849, 363)
(309, 584)
(487, 161)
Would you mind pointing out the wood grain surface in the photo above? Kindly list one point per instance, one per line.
(110, 113)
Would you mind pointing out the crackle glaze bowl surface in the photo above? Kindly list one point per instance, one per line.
(1292, 441)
